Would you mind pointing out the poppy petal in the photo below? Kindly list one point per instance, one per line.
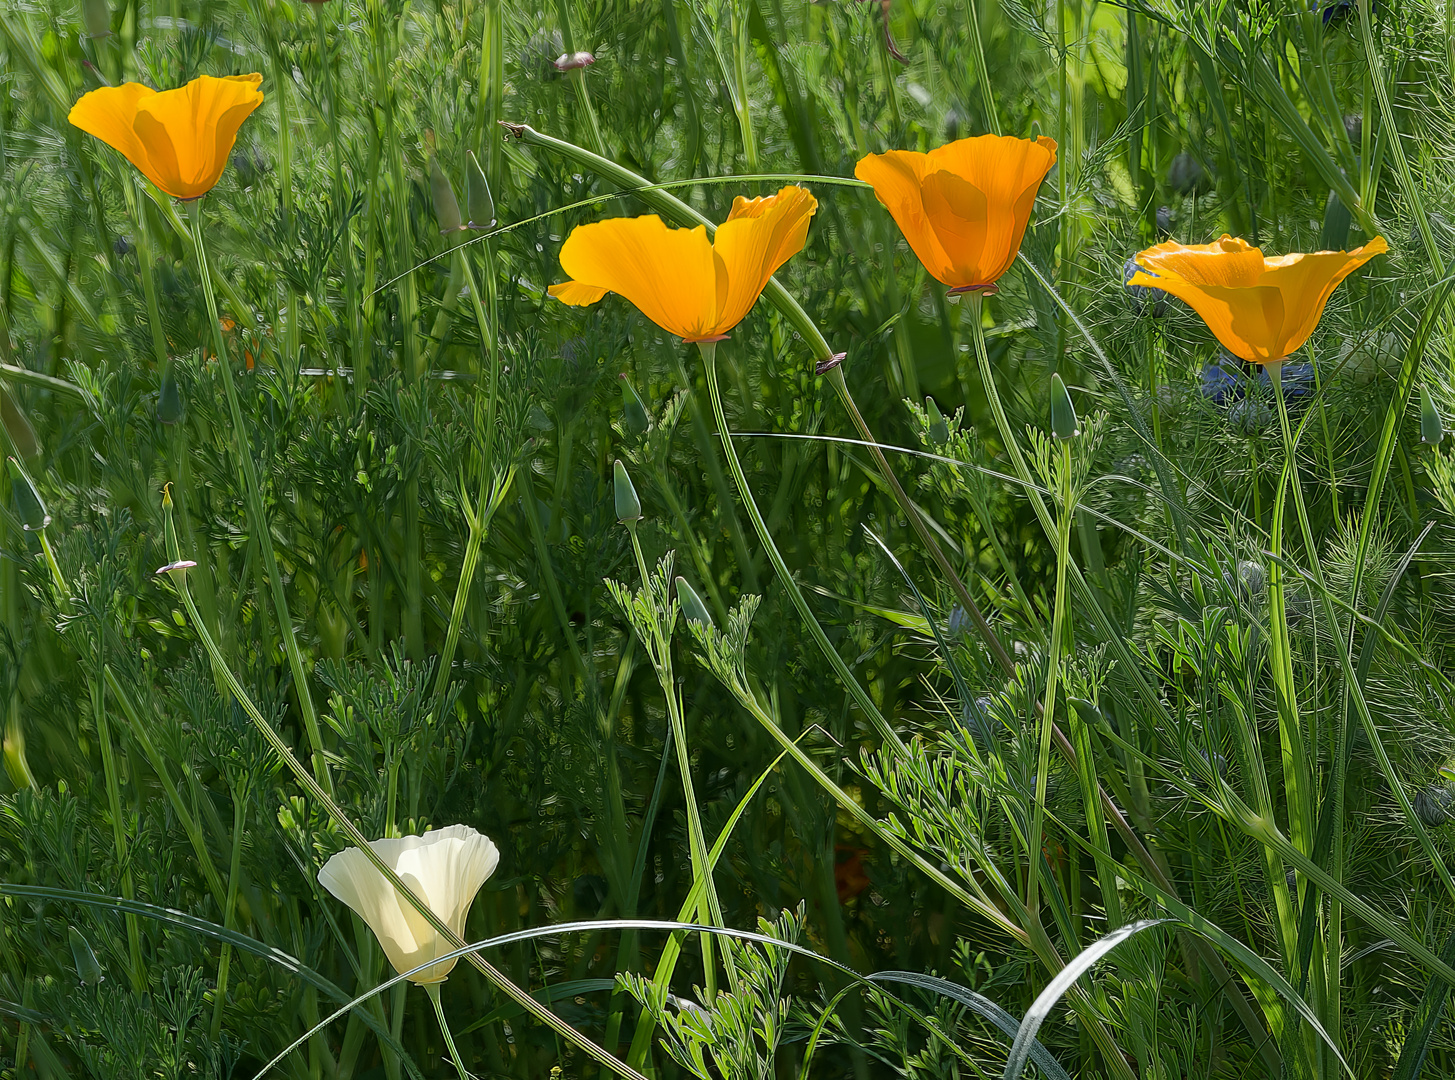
(668, 274)
(1008, 172)
(896, 177)
(1307, 281)
(199, 122)
(1228, 263)
(109, 114)
(575, 294)
(958, 211)
(759, 236)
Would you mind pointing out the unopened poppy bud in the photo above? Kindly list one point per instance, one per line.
(572, 61)
(1431, 430)
(28, 505)
(478, 199)
(633, 412)
(1064, 424)
(97, 14)
(693, 609)
(169, 401)
(446, 207)
(628, 506)
(88, 968)
(939, 430)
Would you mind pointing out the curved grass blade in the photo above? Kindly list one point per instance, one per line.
(1078, 965)
(597, 926)
(1427, 1021)
(1243, 956)
(238, 941)
(981, 1006)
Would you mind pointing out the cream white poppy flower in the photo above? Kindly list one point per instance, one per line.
(444, 867)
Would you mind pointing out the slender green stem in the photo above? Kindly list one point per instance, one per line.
(118, 821)
(433, 990)
(660, 652)
(356, 835)
(850, 682)
(982, 73)
(1053, 670)
(916, 519)
(257, 512)
(240, 797)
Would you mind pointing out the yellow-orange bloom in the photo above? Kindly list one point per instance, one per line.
(178, 139)
(1261, 309)
(696, 288)
(964, 207)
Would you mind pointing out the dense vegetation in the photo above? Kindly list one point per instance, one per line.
(1225, 606)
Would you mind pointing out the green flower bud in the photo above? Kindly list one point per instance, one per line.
(1431, 430)
(693, 609)
(28, 505)
(633, 412)
(628, 506)
(939, 430)
(1064, 424)
(446, 208)
(88, 968)
(478, 199)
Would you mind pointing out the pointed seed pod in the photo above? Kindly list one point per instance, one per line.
(628, 506)
(88, 968)
(478, 199)
(1064, 424)
(939, 430)
(446, 207)
(693, 609)
(633, 411)
(28, 505)
(1431, 430)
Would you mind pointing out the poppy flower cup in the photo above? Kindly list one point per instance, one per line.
(963, 208)
(444, 867)
(178, 139)
(1261, 309)
(691, 286)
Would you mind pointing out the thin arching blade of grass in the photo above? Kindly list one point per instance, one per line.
(242, 942)
(1251, 963)
(667, 963)
(546, 995)
(1077, 966)
(596, 927)
(981, 1006)
(1427, 1021)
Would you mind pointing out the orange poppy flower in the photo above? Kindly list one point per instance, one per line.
(178, 139)
(1261, 309)
(964, 207)
(696, 288)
